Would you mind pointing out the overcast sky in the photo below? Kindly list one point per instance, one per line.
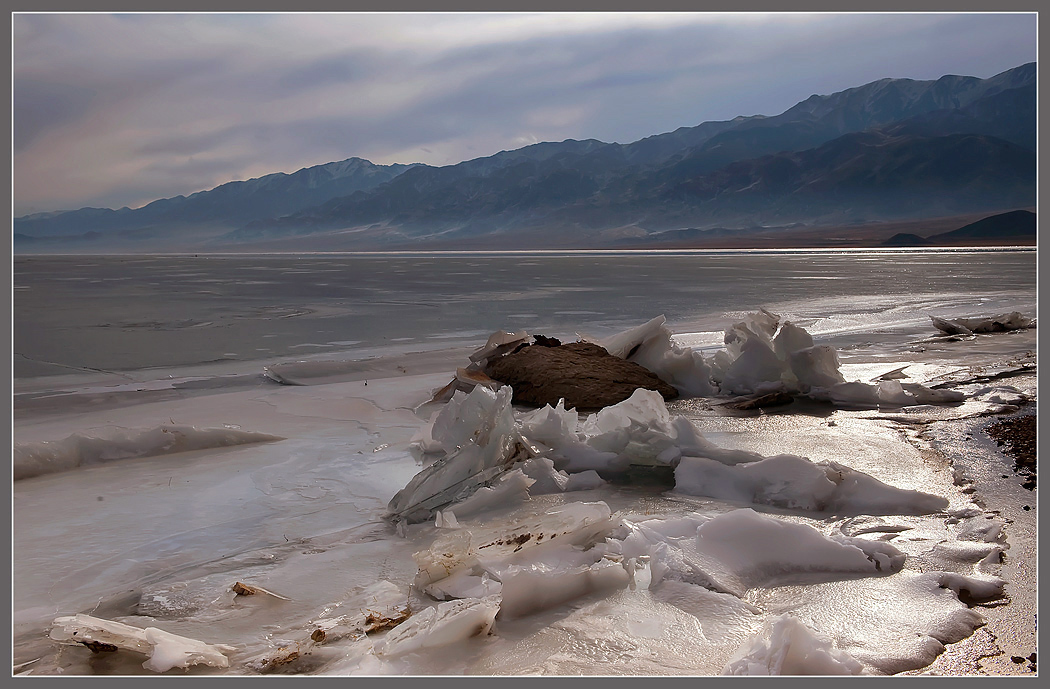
(119, 110)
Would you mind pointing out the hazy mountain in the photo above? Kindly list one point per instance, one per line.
(229, 205)
(1018, 226)
(894, 148)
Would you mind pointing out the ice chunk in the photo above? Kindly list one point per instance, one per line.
(499, 343)
(791, 339)
(465, 584)
(373, 608)
(577, 523)
(165, 650)
(637, 431)
(627, 343)
(815, 367)
(785, 646)
(794, 482)
(481, 425)
(553, 576)
(756, 370)
(448, 623)
(650, 346)
(550, 425)
(39, 458)
(739, 550)
(988, 324)
(546, 479)
(584, 480)
(508, 489)
(978, 589)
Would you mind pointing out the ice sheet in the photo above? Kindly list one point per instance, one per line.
(153, 542)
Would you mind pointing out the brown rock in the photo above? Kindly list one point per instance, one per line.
(583, 374)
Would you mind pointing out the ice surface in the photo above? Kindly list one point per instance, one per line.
(621, 584)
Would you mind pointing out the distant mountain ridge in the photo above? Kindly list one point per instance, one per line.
(233, 203)
(1019, 226)
(890, 149)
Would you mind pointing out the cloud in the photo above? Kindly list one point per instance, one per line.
(121, 109)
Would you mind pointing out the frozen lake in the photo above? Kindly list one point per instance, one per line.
(121, 354)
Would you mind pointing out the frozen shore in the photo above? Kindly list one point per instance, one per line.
(158, 540)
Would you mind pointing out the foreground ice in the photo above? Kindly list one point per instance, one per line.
(629, 541)
(490, 454)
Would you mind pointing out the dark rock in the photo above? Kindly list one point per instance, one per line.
(585, 375)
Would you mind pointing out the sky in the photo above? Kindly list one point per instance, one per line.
(113, 110)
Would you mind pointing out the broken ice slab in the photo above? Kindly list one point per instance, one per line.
(81, 449)
(482, 424)
(576, 523)
(466, 379)
(555, 575)
(793, 482)
(379, 606)
(739, 550)
(786, 646)
(535, 563)
(650, 346)
(448, 623)
(341, 629)
(165, 650)
(499, 343)
(987, 324)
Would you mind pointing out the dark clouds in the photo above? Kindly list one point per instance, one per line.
(113, 110)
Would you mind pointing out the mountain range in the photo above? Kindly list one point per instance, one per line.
(889, 151)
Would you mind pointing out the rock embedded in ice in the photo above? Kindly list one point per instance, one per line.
(583, 374)
(165, 650)
(786, 646)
